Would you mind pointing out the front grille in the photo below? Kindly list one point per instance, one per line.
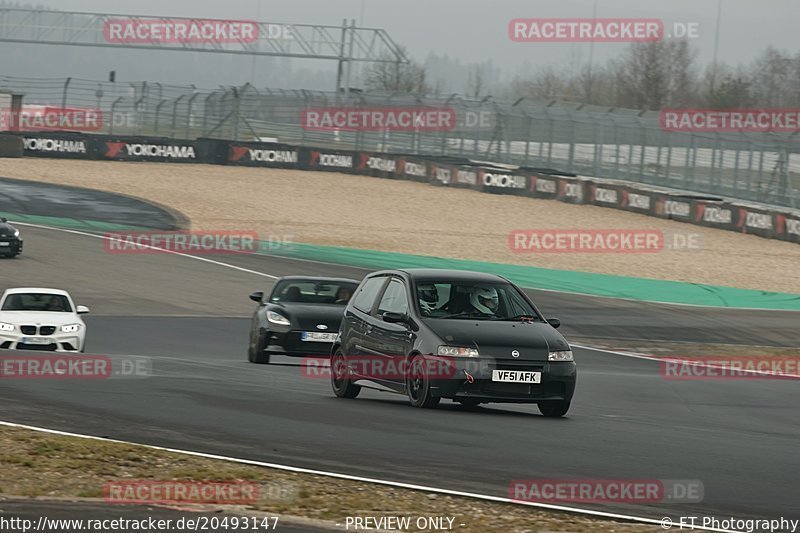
(47, 330)
(37, 347)
(28, 330)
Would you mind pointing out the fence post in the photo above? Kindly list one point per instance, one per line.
(64, 95)
(113, 115)
(158, 114)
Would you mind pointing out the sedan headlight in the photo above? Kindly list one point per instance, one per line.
(16, 233)
(458, 351)
(6, 327)
(277, 318)
(72, 328)
(565, 355)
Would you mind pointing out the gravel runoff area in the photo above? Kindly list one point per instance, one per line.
(403, 216)
(50, 467)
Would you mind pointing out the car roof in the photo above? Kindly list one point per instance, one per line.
(317, 278)
(446, 274)
(37, 290)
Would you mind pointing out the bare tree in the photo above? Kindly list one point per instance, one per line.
(397, 77)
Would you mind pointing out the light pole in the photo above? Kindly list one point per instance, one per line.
(591, 58)
(716, 47)
(258, 43)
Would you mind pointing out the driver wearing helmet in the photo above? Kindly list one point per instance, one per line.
(428, 296)
(485, 300)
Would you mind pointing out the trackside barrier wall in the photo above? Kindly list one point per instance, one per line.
(764, 221)
(11, 146)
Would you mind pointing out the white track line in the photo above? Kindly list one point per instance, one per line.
(410, 486)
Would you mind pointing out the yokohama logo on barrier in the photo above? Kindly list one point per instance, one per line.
(322, 159)
(673, 208)
(380, 164)
(46, 144)
(503, 181)
(124, 150)
(571, 190)
(179, 31)
(788, 227)
(605, 196)
(263, 157)
(442, 175)
(754, 220)
(466, 177)
(713, 214)
(412, 169)
(543, 186)
(636, 201)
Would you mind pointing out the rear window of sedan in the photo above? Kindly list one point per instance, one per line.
(41, 302)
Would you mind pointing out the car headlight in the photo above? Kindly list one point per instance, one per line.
(72, 328)
(6, 327)
(458, 351)
(16, 233)
(565, 355)
(277, 318)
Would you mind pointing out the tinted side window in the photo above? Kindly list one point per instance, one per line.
(394, 299)
(366, 295)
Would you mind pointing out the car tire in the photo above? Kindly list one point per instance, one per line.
(554, 409)
(255, 353)
(418, 385)
(340, 378)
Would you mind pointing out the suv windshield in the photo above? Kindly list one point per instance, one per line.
(56, 303)
(471, 301)
(313, 291)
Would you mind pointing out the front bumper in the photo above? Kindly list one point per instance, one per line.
(290, 343)
(57, 342)
(10, 246)
(557, 382)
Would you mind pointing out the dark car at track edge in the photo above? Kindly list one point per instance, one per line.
(10, 242)
(470, 337)
(300, 317)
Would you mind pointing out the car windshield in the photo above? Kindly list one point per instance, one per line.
(473, 301)
(41, 302)
(313, 291)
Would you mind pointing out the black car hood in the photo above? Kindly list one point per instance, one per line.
(309, 316)
(7, 230)
(498, 339)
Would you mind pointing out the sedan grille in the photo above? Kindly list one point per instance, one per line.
(28, 330)
(47, 330)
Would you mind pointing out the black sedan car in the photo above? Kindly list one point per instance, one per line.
(300, 317)
(10, 243)
(470, 337)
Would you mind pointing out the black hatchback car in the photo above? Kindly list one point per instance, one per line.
(470, 337)
(300, 317)
(10, 243)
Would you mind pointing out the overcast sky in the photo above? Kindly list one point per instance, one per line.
(473, 30)
(469, 31)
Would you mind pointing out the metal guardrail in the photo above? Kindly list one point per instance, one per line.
(610, 143)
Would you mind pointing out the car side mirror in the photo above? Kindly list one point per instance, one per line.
(554, 322)
(257, 297)
(82, 310)
(394, 318)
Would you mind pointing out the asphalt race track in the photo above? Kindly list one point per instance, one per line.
(739, 437)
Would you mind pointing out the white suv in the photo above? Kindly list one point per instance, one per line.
(42, 320)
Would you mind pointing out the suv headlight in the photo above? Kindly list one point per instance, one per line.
(458, 351)
(565, 355)
(6, 327)
(277, 318)
(16, 233)
(72, 328)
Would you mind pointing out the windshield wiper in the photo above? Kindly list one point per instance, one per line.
(469, 315)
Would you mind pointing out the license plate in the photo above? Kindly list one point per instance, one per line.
(516, 376)
(36, 340)
(314, 336)
(5, 244)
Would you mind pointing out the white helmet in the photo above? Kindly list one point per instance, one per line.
(484, 299)
(428, 297)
